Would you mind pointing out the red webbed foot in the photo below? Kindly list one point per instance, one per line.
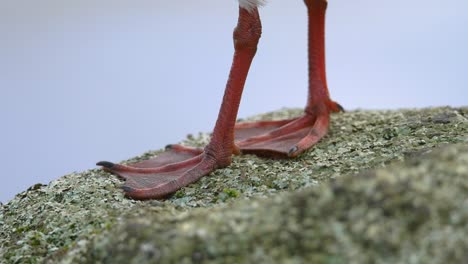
(285, 138)
(180, 166)
(158, 177)
(290, 138)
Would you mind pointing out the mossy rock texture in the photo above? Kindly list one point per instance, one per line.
(382, 187)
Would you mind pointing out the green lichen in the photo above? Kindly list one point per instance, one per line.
(294, 210)
(227, 194)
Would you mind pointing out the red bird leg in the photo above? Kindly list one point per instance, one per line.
(180, 166)
(289, 138)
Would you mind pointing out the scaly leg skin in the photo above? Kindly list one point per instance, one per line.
(289, 138)
(180, 166)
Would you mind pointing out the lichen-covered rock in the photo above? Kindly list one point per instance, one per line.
(394, 200)
(412, 212)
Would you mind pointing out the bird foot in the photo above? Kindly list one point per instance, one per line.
(163, 175)
(284, 138)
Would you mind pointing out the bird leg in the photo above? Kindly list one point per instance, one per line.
(289, 138)
(180, 166)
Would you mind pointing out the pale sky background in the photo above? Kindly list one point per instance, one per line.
(84, 81)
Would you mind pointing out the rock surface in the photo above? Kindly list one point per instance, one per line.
(383, 186)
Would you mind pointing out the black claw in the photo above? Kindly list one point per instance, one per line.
(292, 150)
(168, 147)
(127, 189)
(340, 107)
(106, 164)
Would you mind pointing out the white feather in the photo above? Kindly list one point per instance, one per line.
(250, 4)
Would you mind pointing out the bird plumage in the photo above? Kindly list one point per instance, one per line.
(250, 4)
